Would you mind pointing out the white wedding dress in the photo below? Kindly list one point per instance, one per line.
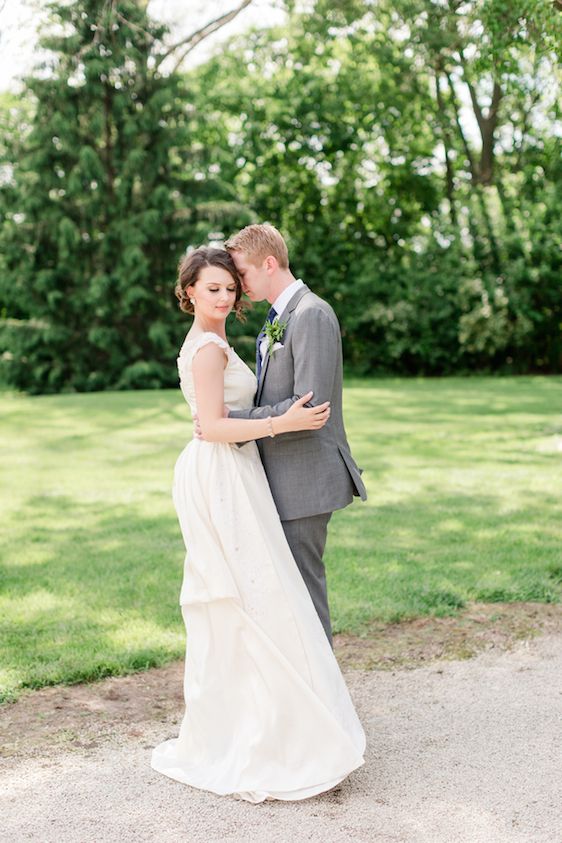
(268, 714)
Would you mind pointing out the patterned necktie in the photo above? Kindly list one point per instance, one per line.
(260, 337)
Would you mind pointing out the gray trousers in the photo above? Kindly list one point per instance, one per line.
(307, 539)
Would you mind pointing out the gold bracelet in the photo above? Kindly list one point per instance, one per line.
(270, 423)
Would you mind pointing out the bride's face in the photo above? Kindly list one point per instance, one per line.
(214, 293)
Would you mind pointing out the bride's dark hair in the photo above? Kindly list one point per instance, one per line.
(191, 265)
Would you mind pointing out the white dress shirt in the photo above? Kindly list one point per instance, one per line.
(279, 306)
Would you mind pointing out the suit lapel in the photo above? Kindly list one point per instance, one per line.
(283, 317)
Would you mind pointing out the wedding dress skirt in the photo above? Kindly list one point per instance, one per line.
(268, 714)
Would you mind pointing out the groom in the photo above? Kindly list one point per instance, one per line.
(311, 473)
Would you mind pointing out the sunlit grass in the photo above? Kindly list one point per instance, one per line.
(464, 503)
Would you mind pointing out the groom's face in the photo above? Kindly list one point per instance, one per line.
(255, 280)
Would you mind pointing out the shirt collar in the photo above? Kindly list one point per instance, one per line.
(283, 300)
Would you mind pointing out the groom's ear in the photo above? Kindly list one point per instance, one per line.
(271, 264)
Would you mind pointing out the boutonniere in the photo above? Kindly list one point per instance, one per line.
(274, 332)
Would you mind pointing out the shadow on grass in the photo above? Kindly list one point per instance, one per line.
(431, 556)
(101, 597)
(62, 418)
(97, 594)
(445, 400)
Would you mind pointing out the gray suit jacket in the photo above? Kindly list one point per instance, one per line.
(311, 471)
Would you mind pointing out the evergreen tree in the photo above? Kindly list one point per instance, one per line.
(99, 207)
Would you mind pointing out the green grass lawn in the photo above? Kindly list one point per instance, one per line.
(464, 480)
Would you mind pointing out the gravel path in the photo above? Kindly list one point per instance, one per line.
(457, 751)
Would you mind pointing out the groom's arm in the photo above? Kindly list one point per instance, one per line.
(315, 342)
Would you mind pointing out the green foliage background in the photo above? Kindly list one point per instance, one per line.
(409, 150)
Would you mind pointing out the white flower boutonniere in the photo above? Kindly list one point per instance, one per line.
(274, 332)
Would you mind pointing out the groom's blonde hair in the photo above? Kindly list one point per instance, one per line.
(259, 241)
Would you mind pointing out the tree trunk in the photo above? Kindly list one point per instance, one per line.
(487, 123)
(446, 135)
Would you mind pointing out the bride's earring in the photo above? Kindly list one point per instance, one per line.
(192, 301)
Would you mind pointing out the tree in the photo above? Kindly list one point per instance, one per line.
(101, 197)
(349, 130)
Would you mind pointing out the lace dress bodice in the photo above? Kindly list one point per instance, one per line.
(240, 383)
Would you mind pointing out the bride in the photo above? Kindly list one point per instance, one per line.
(268, 714)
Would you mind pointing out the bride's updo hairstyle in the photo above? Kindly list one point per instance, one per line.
(190, 267)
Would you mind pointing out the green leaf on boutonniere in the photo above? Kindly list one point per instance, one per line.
(274, 332)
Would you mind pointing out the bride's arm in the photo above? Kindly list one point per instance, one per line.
(208, 380)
